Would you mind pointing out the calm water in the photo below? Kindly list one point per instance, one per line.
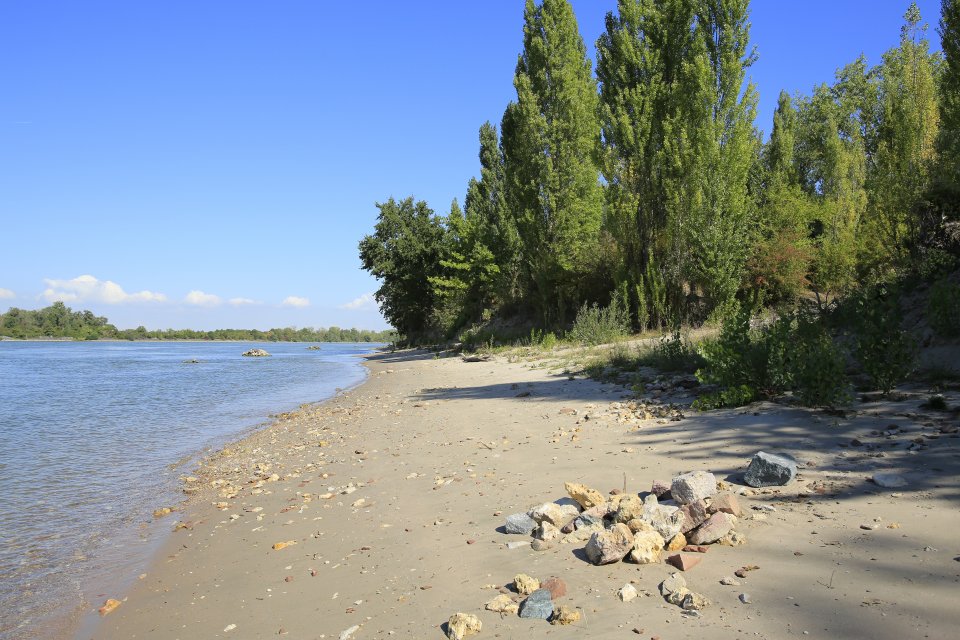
(89, 434)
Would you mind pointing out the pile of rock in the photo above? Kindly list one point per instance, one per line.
(255, 353)
(676, 520)
(527, 597)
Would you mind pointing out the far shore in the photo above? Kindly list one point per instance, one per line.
(380, 513)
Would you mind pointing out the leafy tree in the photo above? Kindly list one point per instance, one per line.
(948, 140)
(404, 253)
(678, 144)
(906, 129)
(549, 143)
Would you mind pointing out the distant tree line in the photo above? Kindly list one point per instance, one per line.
(646, 186)
(59, 321)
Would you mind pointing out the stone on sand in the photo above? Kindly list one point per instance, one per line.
(462, 625)
(538, 604)
(647, 546)
(584, 495)
(524, 584)
(715, 528)
(502, 604)
(564, 615)
(770, 470)
(693, 486)
(520, 523)
(611, 545)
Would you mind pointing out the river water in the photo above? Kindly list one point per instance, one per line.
(93, 438)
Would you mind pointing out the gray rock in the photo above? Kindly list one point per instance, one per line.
(538, 604)
(745, 598)
(674, 584)
(667, 520)
(255, 353)
(520, 523)
(690, 487)
(770, 470)
(889, 480)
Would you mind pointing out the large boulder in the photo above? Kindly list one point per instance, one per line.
(611, 545)
(770, 470)
(693, 486)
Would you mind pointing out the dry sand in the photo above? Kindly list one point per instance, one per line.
(426, 458)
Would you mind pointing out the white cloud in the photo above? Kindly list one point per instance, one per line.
(201, 299)
(295, 301)
(6, 294)
(361, 303)
(86, 288)
(239, 302)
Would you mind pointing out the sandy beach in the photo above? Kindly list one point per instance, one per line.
(380, 514)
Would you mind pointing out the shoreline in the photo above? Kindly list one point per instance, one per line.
(84, 621)
(386, 501)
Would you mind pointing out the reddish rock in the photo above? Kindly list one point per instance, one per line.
(696, 548)
(661, 489)
(556, 587)
(726, 503)
(682, 562)
(717, 526)
(694, 514)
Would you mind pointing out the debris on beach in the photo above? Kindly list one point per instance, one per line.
(109, 606)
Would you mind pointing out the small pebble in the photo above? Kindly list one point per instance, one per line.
(745, 598)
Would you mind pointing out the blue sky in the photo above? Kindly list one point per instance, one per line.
(214, 164)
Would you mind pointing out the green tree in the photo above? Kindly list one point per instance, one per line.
(948, 140)
(404, 253)
(678, 145)
(549, 143)
(907, 121)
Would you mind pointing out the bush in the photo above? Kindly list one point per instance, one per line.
(672, 353)
(817, 366)
(595, 325)
(943, 309)
(886, 352)
(793, 353)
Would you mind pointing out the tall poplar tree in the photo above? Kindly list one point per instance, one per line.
(948, 141)
(549, 140)
(906, 131)
(679, 144)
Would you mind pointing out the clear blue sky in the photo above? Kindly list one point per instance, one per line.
(211, 164)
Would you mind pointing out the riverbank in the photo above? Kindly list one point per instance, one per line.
(383, 508)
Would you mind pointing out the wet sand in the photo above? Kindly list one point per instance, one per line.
(380, 509)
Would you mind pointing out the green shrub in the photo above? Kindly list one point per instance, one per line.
(672, 353)
(599, 325)
(817, 366)
(549, 340)
(729, 397)
(886, 352)
(943, 309)
(793, 353)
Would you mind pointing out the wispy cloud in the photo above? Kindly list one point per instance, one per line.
(239, 302)
(201, 299)
(86, 288)
(361, 303)
(6, 294)
(295, 301)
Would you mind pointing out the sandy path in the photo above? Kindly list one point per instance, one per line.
(427, 457)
